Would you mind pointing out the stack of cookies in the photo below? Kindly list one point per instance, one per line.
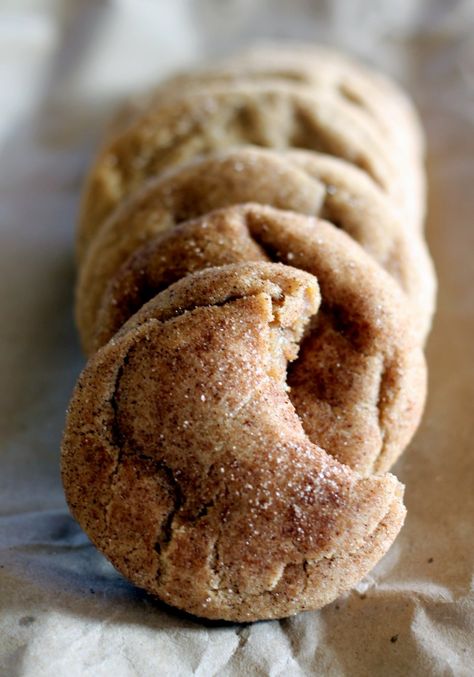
(254, 294)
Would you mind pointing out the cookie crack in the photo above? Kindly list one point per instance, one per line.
(307, 563)
(165, 536)
(166, 532)
(382, 404)
(277, 298)
(116, 434)
(116, 437)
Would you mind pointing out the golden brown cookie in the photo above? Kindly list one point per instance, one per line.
(356, 204)
(359, 382)
(254, 291)
(307, 183)
(384, 104)
(272, 115)
(187, 465)
(318, 68)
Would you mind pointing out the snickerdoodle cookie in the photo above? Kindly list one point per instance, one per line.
(187, 465)
(307, 183)
(272, 115)
(359, 382)
(254, 294)
(384, 104)
(318, 68)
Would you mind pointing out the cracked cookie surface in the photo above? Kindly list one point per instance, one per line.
(315, 67)
(359, 382)
(268, 114)
(306, 183)
(382, 102)
(245, 517)
(254, 291)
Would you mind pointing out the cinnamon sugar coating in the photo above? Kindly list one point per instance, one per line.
(307, 183)
(270, 114)
(245, 517)
(254, 293)
(359, 382)
(318, 68)
(384, 105)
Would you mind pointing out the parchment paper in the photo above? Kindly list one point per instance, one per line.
(64, 610)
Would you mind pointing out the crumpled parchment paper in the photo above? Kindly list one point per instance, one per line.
(64, 610)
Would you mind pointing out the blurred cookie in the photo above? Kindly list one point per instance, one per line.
(384, 104)
(271, 115)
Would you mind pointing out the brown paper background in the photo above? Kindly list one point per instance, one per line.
(63, 609)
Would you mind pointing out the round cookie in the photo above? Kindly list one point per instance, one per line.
(268, 115)
(302, 182)
(359, 382)
(322, 69)
(245, 518)
(318, 68)
(356, 204)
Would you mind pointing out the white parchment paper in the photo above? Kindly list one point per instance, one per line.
(63, 609)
